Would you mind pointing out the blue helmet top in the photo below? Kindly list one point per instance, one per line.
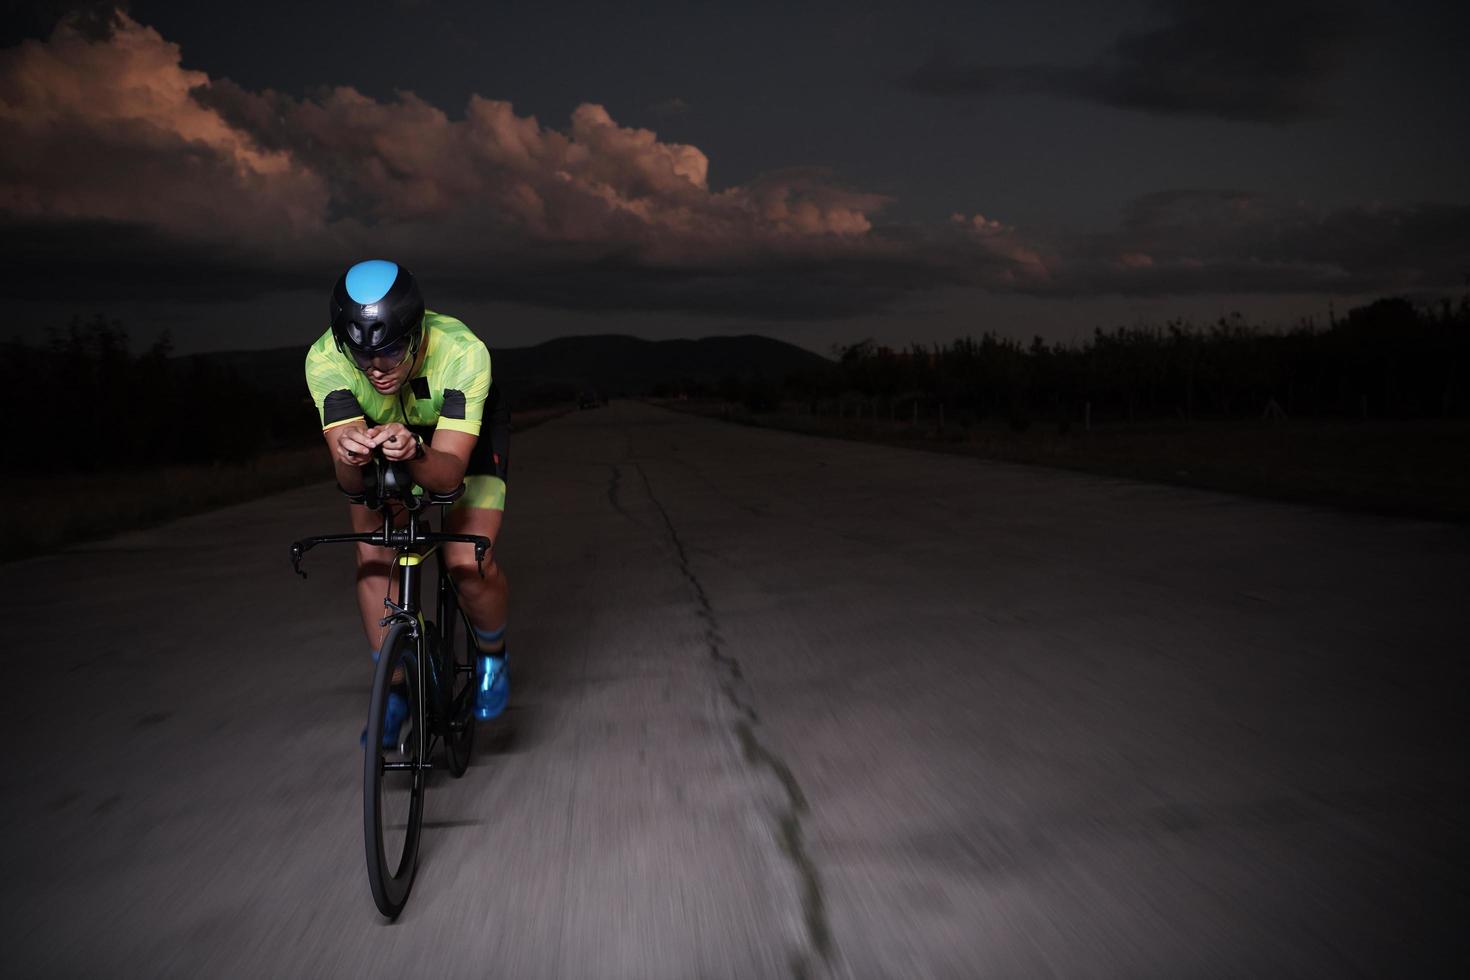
(375, 304)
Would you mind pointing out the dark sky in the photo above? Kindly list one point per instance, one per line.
(910, 171)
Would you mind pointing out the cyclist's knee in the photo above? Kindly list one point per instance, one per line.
(465, 571)
(373, 561)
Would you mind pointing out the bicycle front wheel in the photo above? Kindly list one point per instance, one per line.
(394, 774)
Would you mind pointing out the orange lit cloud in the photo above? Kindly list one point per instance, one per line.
(1023, 263)
(117, 130)
(110, 131)
(120, 160)
(596, 183)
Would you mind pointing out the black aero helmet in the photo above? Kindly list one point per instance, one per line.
(377, 310)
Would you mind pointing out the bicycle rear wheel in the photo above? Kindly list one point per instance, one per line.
(394, 777)
(459, 687)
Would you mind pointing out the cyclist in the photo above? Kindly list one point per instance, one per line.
(416, 385)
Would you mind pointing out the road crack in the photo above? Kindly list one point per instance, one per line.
(793, 807)
(614, 486)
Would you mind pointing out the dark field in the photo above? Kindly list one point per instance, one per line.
(61, 510)
(1410, 468)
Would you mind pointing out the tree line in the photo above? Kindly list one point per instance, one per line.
(1389, 359)
(112, 408)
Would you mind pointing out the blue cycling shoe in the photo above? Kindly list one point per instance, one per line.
(492, 686)
(392, 721)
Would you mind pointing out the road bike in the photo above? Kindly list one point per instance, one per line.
(422, 661)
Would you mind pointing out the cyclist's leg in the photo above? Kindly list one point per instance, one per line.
(485, 600)
(373, 568)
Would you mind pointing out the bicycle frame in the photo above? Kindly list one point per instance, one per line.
(388, 489)
(412, 544)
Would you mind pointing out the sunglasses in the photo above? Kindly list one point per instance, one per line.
(394, 353)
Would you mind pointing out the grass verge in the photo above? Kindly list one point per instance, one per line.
(1410, 469)
(64, 510)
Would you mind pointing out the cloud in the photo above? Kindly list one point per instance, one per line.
(108, 131)
(1024, 265)
(597, 182)
(38, 18)
(1208, 241)
(127, 175)
(65, 261)
(1186, 241)
(1254, 61)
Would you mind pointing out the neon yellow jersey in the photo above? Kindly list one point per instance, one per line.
(448, 390)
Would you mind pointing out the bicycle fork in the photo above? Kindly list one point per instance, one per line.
(420, 733)
(408, 608)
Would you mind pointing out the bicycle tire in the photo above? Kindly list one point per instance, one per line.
(393, 799)
(458, 671)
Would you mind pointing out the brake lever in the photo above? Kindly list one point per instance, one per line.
(481, 546)
(297, 553)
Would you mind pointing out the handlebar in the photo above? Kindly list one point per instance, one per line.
(383, 482)
(405, 538)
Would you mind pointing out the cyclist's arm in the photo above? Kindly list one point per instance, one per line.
(442, 468)
(351, 449)
(343, 420)
(467, 380)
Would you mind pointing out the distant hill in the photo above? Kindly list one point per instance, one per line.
(616, 364)
(607, 363)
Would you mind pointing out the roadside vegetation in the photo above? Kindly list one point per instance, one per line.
(136, 439)
(1370, 411)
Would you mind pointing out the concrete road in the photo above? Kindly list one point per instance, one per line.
(782, 707)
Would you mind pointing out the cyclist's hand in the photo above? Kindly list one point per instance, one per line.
(352, 445)
(395, 440)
